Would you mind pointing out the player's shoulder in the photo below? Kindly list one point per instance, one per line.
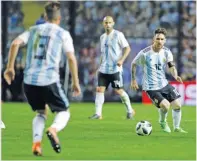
(167, 51)
(165, 48)
(102, 36)
(147, 49)
(118, 33)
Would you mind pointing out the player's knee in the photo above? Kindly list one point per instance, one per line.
(165, 105)
(176, 104)
(119, 91)
(42, 113)
(100, 89)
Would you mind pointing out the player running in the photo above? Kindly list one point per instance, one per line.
(154, 59)
(45, 44)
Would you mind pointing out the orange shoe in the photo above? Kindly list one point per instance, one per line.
(36, 149)
(53, 138)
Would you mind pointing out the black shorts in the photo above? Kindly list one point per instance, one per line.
(115, 80)
(53, 95)
(168, 92)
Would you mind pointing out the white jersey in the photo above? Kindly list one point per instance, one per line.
(45, 44)
(153, 64)
(111, 51)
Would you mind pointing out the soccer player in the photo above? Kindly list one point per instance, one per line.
(114, 51)
(45, 44)
(154, 59)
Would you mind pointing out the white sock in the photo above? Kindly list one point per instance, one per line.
(38, 125)
(176, 115)
(99, 103)
(125, 99)
(61, 120)
(162, 115)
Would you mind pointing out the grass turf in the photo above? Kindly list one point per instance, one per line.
(112, 138)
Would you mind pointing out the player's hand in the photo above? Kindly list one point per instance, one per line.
(120, 62)
(9, 75)
(179, 79)
(76, 89)
(134, 85)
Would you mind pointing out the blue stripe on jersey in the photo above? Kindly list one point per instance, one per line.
(114, 49)
(149, 72)
(36, 74)
(159, 74)
(62, 94)
(39, 63)
(51, 57)
(29, 52)
(107, 54)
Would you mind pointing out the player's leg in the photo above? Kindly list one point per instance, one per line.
(38, 125)
(176, 115)
(36, 101)
(163, 113)
(58, 103)
(117, 84)
(126, 101)
(172, 95)
(163, 107)
(103, 83)
(99, 101)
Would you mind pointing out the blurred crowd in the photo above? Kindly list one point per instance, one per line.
(136, 19)
(188, 44)
(14, 92)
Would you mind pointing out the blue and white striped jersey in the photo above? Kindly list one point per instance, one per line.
(111, 51)
(153, 64)
(45, 44)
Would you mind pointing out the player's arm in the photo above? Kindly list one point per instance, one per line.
(72, 61)
(172, 67)
(9, 73)
(133, 71)
(101, 57)
(126, 52)
(13, 52)
(138, 60)
(173, 72)
(73, 67)
(126, 49)
(68, 48)
(134, 84)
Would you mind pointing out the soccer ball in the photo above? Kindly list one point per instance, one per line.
(143, 128)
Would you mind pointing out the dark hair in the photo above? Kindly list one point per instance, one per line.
(52, 10)
(161, 31)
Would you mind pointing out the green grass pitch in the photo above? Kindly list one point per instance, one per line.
(112, 138)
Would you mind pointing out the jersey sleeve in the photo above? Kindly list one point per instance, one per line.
(139, 59)
(169, 56)
(68, 43)
(123, 42)
(24, 36)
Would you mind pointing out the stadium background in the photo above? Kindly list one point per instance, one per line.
(113, 137)
(137, 20)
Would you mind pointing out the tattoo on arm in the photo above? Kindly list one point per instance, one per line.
(133, 71)
(173, 72)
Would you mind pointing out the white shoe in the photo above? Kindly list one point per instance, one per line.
(2, 125)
